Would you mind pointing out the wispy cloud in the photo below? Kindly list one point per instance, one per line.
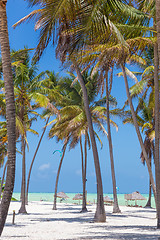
(44, 167)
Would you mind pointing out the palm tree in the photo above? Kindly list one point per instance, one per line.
(47, 87)
(153, 8)
(10, 114)
(57, 178)
(115, 206)
(73, 119)
(137, 129)
(25, 80)
(84, 171)
(145, 119)
(32, 162)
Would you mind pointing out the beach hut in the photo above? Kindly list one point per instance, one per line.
(108, 200)
(78, 196)
(134, 197)
(62, 195)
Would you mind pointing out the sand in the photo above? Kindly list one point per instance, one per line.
(67, 222)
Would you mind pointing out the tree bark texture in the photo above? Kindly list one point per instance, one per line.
(10, 115)
(84, 208)
(30, 169)
(158, 26)
(57, 178)
(23, 186)
(100, 215)
(115, 205)
(157, 130)
(138, 131)
(148, 204)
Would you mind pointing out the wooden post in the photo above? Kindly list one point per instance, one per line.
(13, 217)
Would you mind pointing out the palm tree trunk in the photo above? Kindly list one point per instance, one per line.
(84, 209)
(100, 215)
(158, 26)
(57, 178)
(157, 130)
(30, 169)
(2, 181)
(10, 115)
(85, 166)
(148, 205)
(115, 206)
(138, 132)
(23, 186)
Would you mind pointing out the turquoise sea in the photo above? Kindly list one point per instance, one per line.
(90, 197)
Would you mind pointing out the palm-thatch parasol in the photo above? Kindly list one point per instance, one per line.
(78, 196)
(108, 200)
(134, 197)
(62, 195)
(137, 196)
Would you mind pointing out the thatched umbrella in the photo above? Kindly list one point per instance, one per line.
(134, 197)
(108, 200)
(78, 196)
(137, 196)
(62, 195)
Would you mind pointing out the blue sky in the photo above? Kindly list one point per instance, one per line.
(131, 175)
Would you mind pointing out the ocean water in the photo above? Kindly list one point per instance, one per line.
(91, 197)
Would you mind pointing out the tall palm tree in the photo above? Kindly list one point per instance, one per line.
(115, 206)
(26, 90)
(47, 87)
(73, 118)
(145, 119)
(10, 114)
(84, 171)
(21, 80)
(153, 9)
(33, 159)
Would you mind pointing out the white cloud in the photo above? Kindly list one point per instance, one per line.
(44, 167)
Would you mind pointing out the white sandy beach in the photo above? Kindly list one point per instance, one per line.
(43, 223)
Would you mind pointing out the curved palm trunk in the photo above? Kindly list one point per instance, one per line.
(100, 215)
(57, 178)
(23, 186)
(10, 115)
(157, 131)
(30, 169)
(2, 181)
(138, 132)
(115, 206)
(84, 209)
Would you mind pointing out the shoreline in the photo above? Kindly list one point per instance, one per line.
(91, 198)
